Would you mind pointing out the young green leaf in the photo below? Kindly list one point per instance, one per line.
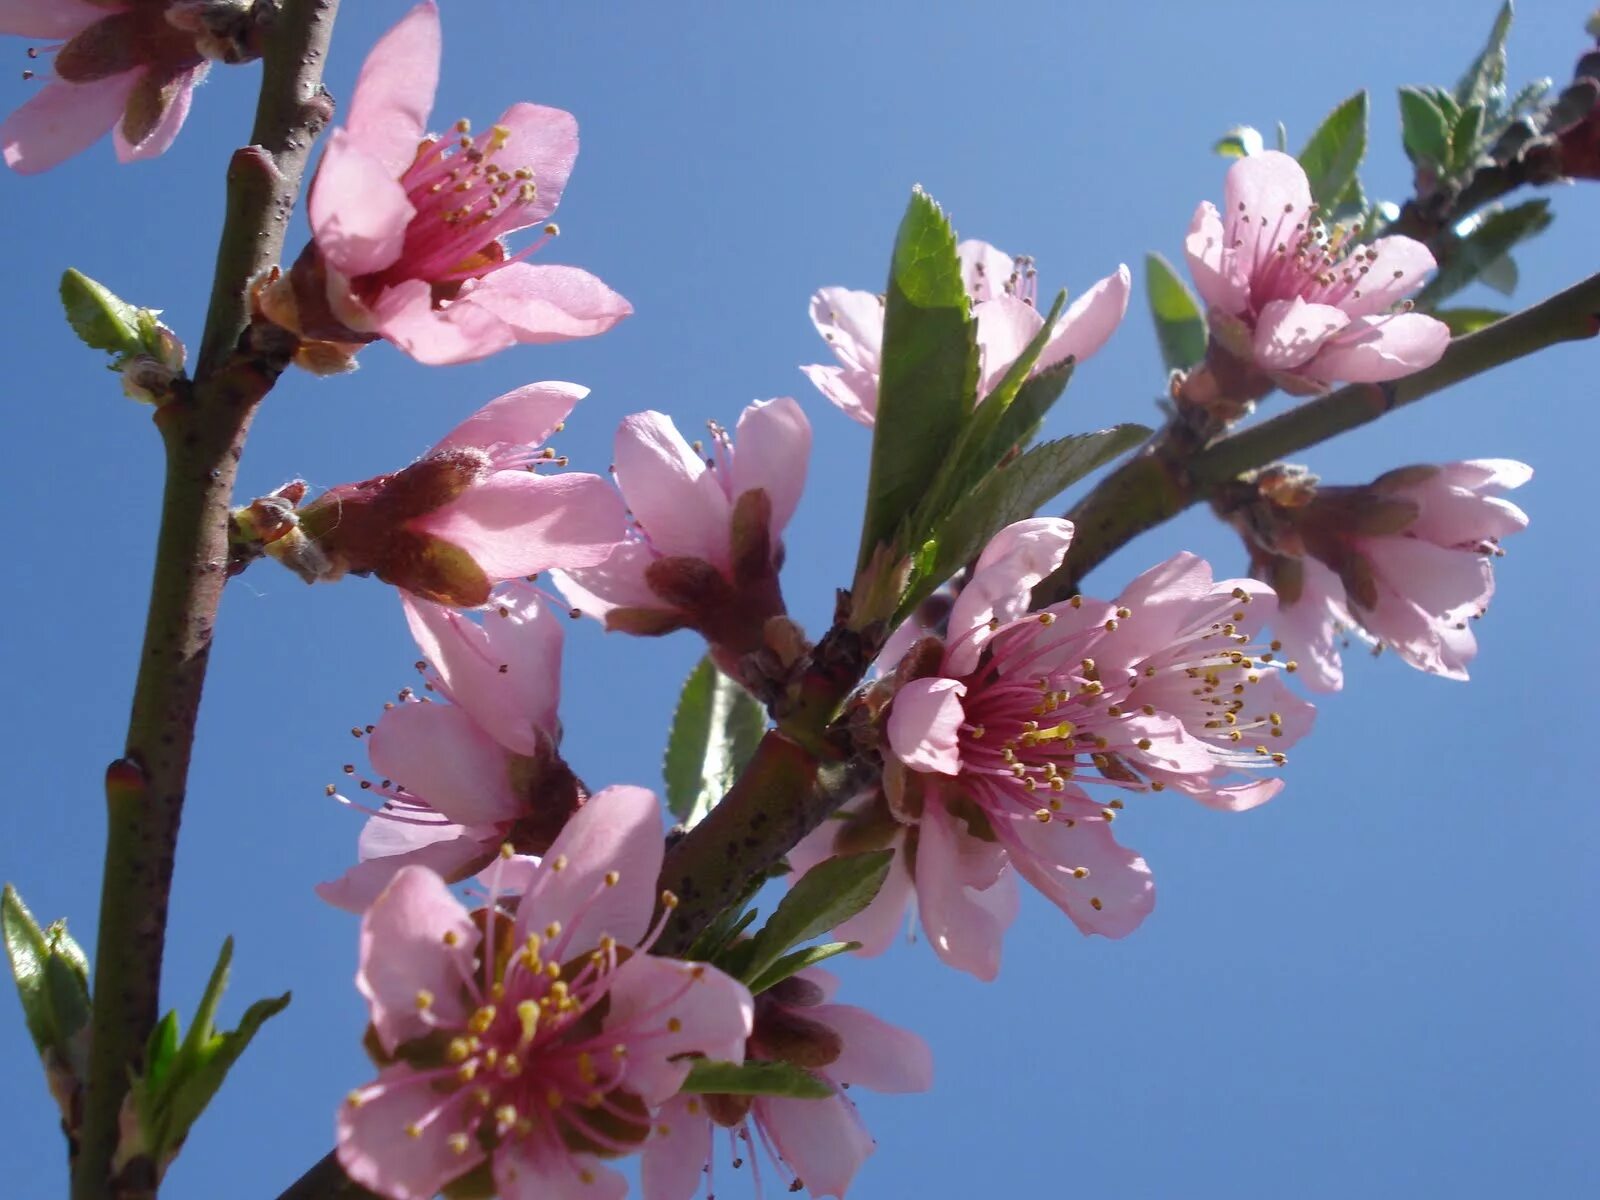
(1239, 142)
(1424, 128)
(52, 978)
(928, 383)
(1477, 254)
(101, 319)
(758, 1078)
(1468, 320)
(1012, 493)
(1180, 321)
(1333, 154)
(1485, 79)
(1465, 138)
(714, 732)
(798, 960)
(833, 891)
(27, 951)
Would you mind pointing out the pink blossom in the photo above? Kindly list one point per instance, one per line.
(1307, 306)
(1004, 294)
(707, 543)
(535, 1046)
(1001, 734)
(410, 239)
(816, 1144)
(459, 780)
(470, 513)
(1413, 583)
(127, 66)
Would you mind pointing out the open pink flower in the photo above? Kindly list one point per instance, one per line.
(817, 1145)
(1307, 306)
(707, 543)
(1414, 584)
(996, 753)
(529, 1049)
(459, 780)
(408, 226)
(1004, 293)
(120, 65)
(470, 513)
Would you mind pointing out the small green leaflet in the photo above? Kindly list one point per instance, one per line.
(715, 730)
(832, 892)
(1333, 154)
(796, 961)
(1180, 322)
(52, 978)
(758, 1078)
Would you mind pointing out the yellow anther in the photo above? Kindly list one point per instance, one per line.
(354, 1099)
(510, 1066)
(480, 1021)
(1234, 735)
(1042, 815)
(1110, 814)
(1094, 903)
(424, 999)
(553, 970)
(528, 1016)
(467, 1072)
(1143, 743)
(669, 900)
(1111, 626)
(558, 863)
(1046, 618)
(674, 1025)
(613, 878)
(459, 1143)
(507, 850)
(499, 135)
(1124, 613)
(1080, 872)
(552, 930)
(452, 938)
(553, 1097)
(413, 1130)
(506, 1114)
(458, 1050)
(586, 1069)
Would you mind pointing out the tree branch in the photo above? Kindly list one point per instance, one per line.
(204, 431)
(1164, 479)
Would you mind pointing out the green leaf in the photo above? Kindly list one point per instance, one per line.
(1468, 320)
(180, 1079)
(758, 1078)
(1180, 321)
(1239, 142)
(1465, 138)
(1424, 128)
(1485, 79)
(28, 952)
(52, 977)
(928, 383)
(1477, 253)
(101, 319)
(1012, 493)
(798, 960)
(714, 732)
(833, 891)
(1334, 152)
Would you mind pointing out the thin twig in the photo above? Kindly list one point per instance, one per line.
(204, 431)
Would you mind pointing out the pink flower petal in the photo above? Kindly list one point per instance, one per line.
(505, 673)
(852, 391)
(985, 271)
(1289, 333)
(1214, 271)
(416, 938)
(663, 481)
(444, 849)
(772, 447)
(823, 1141)
(545, 140)
(1005, 326)
(1089, 321)
(63, 119)
(1476, 474)
(676, 1155)
(166, 129)
(964, 933)
(527, 1168)
(1377, 349)
(49, 18)
(1266, 202)
(1015, 559)
(616, 583)
(1309, 628)
(851, 322)
(1449, 584)
(516, 523)
(524, 417)
(542, 302)
(438, 753)
(375, 1155)
(618, 829)
(358, 209)
(876, 925)
(1049, 856)
(663, 1010)
(387, 114)
(925, 723)
(876, 1055)
(1395, 271)
(457, 333)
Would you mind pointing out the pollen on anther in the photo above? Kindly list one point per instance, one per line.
(674, 1025)
(613, 878)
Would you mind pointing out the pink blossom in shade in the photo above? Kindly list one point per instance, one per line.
(1004, 294)
(458, 780)
(815, 1145)
(120, 67)
(694, 558)
(470, 513)
(1416, 590)
(537, 1046)
(410, 225)
(1308, 306)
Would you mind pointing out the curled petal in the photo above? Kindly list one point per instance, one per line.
(524, 417)
(1212, 266)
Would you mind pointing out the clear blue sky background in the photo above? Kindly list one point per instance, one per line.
(1381, 983)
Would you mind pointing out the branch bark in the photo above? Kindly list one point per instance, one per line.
(203, 431)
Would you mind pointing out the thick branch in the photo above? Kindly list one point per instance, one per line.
(204, 431)
(1159, 483)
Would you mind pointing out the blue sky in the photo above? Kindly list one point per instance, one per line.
(1381, 981)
